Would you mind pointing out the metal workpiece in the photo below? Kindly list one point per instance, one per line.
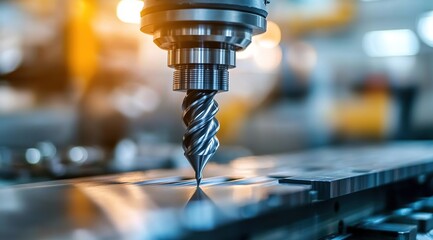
(202, 37)
(338, 172)
(241, 199)
(106, 208)
(423, 220)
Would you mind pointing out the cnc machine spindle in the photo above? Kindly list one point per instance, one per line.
(202, 37)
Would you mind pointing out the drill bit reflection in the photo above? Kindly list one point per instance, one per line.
(199, 195)
(200, 212)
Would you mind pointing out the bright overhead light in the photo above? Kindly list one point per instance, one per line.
(391, 43)
(271, 38)
(33, 156)
(268, 59)
(425, 28)
(78, 154)
(128, 11)
(248, 52)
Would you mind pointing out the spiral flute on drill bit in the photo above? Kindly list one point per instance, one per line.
(202, 37)
(200, 142)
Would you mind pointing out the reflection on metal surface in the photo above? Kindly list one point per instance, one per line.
(121, 206)
(10, 201)
(200, 212)
(199, 195)
(80, 209)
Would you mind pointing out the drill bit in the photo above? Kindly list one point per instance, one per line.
(199, 141)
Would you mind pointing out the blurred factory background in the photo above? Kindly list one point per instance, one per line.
(84, 92)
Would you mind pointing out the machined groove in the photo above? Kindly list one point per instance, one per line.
(201, 77)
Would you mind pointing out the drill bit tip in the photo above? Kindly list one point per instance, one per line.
(198, 176)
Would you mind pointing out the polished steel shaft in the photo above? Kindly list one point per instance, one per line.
(200, 142)
(201, 38)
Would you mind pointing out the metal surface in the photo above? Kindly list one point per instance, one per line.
(208, 77)
(338, 172)
(255, 6)
(242, 198)
(248, 14)
(385, 231)
(201, 56)
(423, 221)
(135, 206)
(202, 38)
